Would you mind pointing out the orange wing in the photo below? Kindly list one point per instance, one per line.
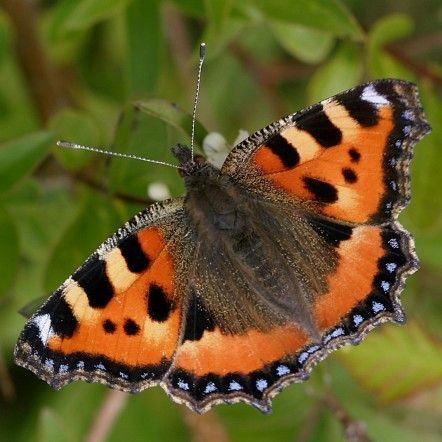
(116, 320)
(347, 155)
(213, 367)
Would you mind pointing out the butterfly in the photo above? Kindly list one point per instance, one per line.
(292, 249)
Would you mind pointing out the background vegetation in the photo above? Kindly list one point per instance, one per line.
(70, 69)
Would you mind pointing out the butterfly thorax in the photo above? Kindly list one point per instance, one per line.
(212, 199)
(234, 232)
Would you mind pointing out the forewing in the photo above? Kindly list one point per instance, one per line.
(347, 155)
(116, 320)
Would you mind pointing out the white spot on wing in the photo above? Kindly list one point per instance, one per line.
(63, 368)
(372, 96)
(377, 307)
(234, 386)
(385, 286)
(281, 370)
(357, 320)
(303, 357)
(393, 243)
(44, 324)
(391, 266)
(210, 388)
(334, 334)
(182, 384)
(261, 384)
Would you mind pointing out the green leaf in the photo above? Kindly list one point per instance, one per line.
(149, 129)
(218, 13)
(51, 427)
(19, 157)
(5, 36)
(173, 116)
(306, 44)
(387, 30)
(96, 221)
(194, 8)
(79, 127)
(9, 256)
(412, 363)
(342, 71)
(327, 15)
(73, 16)
(144, 42)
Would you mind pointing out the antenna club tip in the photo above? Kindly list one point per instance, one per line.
(202, 50)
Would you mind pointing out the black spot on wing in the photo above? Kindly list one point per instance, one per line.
(198, 320)
(333, 233)
(318, 125)
(109, 326)
(92, 278)
(284, 150)
(131, 328)
(355, 156)
(349, 175)
(322, 191)
(158, 306)
(135, 258)
(63, 321)
(362, 111)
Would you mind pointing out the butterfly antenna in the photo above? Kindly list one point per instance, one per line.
(195, 103)
(69, 145)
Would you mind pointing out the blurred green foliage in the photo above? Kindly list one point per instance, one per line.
(72, 69)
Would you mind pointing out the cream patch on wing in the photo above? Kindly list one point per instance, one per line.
(304, 143)
(77, 299)
(119, 275)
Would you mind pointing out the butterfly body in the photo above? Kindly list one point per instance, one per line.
(289, 251)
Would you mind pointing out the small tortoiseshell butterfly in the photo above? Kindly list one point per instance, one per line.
(289, 251)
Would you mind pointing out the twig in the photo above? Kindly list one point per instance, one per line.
(42, 78)
(309, 423)
(110, 409)
(100, 188)
(205, 427)
(270, 75)
(422, 43)
(6, 385)
(179, 41)
(354, 431)
(420, 70)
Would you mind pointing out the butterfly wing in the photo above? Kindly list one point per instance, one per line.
(348, 155)
(116, 320)
(343, 163)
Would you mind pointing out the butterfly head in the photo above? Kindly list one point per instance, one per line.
(189, 165)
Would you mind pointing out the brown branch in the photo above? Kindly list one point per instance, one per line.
(100, 188)
(204, 427)
(7, 388)
(422, 43)
(179, 41)
(412, 65)
(41, 76)
(270, 75)
(113, 403)
(354, 431)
